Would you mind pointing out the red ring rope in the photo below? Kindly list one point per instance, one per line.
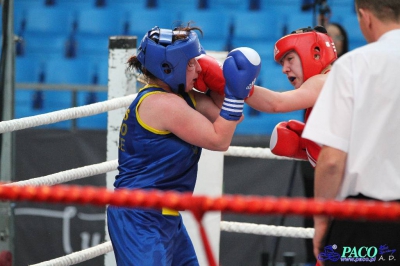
(352, 209)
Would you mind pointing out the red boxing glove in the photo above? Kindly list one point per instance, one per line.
(287, 142)
(211, 76)
(296, 126)
(312, 148)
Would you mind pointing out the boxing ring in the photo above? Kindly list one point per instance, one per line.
(50, 188)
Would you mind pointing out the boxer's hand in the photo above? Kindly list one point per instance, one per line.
(240, 69)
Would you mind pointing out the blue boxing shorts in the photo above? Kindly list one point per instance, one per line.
(145, 237)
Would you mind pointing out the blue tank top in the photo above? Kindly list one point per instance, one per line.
(154, 159)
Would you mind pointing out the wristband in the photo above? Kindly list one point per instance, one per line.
(232, 109)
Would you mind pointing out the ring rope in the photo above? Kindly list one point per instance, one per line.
(66, 114)
(200, 204)
(79, 256)
(69, 175)
(264, 153)
(101, 168)
(267, 230)
(350, 209)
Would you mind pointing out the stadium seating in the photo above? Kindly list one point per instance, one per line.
(50, 46)
(99, 22)
(93, 47)
(31, 102)
(26, 4)
(254, 28)
(76, 4)
(186, 5)
(232, 5)
(66, 41)
(214, 24)
(140, 21)
(44, 20)
(27, 70)
(300, 20)
(273, 77)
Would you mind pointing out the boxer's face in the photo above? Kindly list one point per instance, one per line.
(291, 67)
(192, 72)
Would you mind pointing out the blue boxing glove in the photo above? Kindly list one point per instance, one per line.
(240, 69)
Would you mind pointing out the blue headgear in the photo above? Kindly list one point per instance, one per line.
(165, 59)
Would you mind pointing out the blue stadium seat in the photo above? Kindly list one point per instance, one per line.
(256, 26)
(281, 7)
(273, 78)
(214, 24)
(350, 23)
(81, 71)
(263, 123)
(44, 21)
(141, 21)
(183, 6)
(300, 20)
(127, 5)
(98, 121)
(236, 5)
(27, 70)
(19, 21)
(75, 4)
(341, 9)
(353, 44)
(265, 48)
(49, 46)
(26, 4)
(66, 71)
(100, 22)
(29, 102)
(99, 76)
(88, 46)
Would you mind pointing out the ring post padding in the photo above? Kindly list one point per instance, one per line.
(121, 82)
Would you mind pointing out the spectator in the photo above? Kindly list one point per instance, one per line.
(339, 37)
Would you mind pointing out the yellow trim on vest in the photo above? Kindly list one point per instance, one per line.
(140, 121)
(191, 95)
(166, 211)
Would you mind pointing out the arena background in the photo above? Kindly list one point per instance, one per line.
(60, 58)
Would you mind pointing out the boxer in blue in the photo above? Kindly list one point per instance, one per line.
(161, 138)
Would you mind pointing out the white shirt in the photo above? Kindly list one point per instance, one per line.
(358, 112)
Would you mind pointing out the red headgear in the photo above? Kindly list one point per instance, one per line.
(314, 47)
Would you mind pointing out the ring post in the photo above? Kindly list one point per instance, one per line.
(121, 82)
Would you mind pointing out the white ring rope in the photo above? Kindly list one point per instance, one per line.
(69, 175)
(267, 230)
(249, 228)
(79, 256)
(108, 166)
(66, 114)
(264, 153)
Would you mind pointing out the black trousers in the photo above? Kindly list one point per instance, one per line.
(363, 240)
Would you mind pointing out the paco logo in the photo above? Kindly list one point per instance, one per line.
(357, 254)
